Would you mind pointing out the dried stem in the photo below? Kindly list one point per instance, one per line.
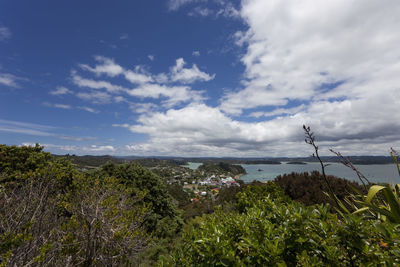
(310, 139)
(346, 162)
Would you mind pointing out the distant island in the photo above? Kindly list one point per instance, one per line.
(222, 167)
(296, 163)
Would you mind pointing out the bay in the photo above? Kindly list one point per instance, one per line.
(376, 173)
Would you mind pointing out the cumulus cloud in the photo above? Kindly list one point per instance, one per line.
(107, 67)
(188, 75)
(339, 58)
(137, 78)
(196, 53)
(297, 50)
(171, 88)
(174, 94)
(96, 84)
(151, 57)
(202, 130)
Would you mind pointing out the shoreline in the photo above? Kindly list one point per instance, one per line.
(237, 176)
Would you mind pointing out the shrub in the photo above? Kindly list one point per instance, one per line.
(274, 232)
(309, 188)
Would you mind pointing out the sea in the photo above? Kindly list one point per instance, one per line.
(376, 173)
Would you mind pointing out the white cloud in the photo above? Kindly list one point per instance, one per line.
(143, 107)
(294, 48)
(94, 84)
(5, 33)
(60, 90)
(164, 86)
(8, 80)
(174, 94)
(108, 67)
(186, 75)
(200, 130)
(137, 78)
(196, 53)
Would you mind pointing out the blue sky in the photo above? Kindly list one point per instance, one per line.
(200, 77)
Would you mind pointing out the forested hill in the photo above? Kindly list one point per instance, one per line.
(89, 161)
(222, 167)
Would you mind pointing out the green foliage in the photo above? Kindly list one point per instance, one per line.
(179, 195)
(309, 188)
(257, 192)
(53, 215)
(381, 202)
(163, 218)
(16, 161)
(271, 231)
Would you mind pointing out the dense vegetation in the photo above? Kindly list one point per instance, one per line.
(53, 215)
(268, 229)
(123, 214)
(309, 188)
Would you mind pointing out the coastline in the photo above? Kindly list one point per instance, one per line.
(237, 176)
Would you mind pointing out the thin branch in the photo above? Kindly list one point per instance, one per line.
(346, 162)
(310, 139)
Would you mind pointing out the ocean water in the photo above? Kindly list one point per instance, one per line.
(376, 173)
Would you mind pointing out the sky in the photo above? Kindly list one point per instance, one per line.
(200, 77)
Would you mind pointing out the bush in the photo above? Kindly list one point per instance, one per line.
(163, 218)
(53, 215)
(270, 231)
(309, 188)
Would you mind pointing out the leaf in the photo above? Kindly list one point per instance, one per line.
(373, 191)
(361, 210)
